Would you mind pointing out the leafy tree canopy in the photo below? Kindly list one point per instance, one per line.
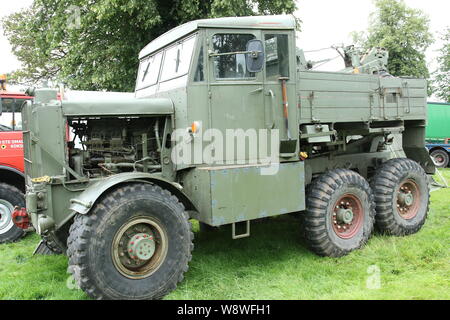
(94, 44)
(404, 32)
(441, 82)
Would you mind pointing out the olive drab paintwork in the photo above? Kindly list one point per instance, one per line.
(185, 81)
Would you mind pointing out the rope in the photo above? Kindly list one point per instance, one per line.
(321, 64)
(317, 50)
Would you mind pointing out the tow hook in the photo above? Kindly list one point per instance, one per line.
(20, 218)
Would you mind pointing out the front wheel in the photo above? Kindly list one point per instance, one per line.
(135, 244)
(402, 197)
(9, 198)
(339, 214)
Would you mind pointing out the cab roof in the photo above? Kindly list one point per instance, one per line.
(252, 22)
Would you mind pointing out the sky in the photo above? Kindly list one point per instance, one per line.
(324, 23)
(328, 22)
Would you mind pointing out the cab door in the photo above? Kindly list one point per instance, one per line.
(11, 141)
(280, 70)
(236, 95)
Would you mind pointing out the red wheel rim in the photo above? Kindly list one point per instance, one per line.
(408, 199)
(348, 216)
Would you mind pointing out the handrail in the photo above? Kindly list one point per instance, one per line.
(270, 124)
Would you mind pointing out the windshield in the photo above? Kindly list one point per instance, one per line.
(5, 128)
(173, 62)
(149, 71)
(11, 117)
(177, 59)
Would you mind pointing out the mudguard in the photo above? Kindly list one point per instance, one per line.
(14, 170)
(86, 200)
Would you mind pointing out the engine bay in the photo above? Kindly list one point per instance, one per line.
(105, 146)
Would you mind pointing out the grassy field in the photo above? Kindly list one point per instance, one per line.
(272, 264)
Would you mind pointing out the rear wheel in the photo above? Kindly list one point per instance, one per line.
(440, 158)
(135, 244)
(339, 213)
(402, 197)
(9, 198)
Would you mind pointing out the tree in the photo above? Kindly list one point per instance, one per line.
(441, 82)
(404, 32)
(93, 45)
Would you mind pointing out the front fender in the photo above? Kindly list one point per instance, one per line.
(84, 202)
(13, 170)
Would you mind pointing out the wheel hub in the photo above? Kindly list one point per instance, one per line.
(438, 160)
(6, 209)
(345, 215)
(408, 199)
(141, 246)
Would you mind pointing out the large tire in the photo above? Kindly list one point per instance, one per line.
(397, 213)
(340, 212)
(99, 244)
(440, 158)
(9, 198)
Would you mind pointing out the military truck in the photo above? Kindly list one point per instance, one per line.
(115, 182)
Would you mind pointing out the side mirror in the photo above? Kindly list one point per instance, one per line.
(254, 57)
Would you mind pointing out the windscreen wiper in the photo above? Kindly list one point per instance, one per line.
(5, 128)
(146, 71)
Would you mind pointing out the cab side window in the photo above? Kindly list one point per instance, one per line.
(277, 56)
(231, 66)
(199, 74)
(11, 117)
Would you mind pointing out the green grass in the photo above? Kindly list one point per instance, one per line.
(272, 264)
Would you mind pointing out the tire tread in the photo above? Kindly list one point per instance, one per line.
(314, 224)
(384, 219)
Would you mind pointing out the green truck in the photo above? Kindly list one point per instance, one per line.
(438, 133)
(228, 124)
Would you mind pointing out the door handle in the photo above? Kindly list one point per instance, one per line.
(256, 90)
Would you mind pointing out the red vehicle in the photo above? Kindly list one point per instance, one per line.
(12, 180)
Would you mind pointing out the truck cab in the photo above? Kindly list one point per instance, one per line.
(202, 67)
(12, 182)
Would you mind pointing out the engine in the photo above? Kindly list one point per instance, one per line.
(104, 146)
